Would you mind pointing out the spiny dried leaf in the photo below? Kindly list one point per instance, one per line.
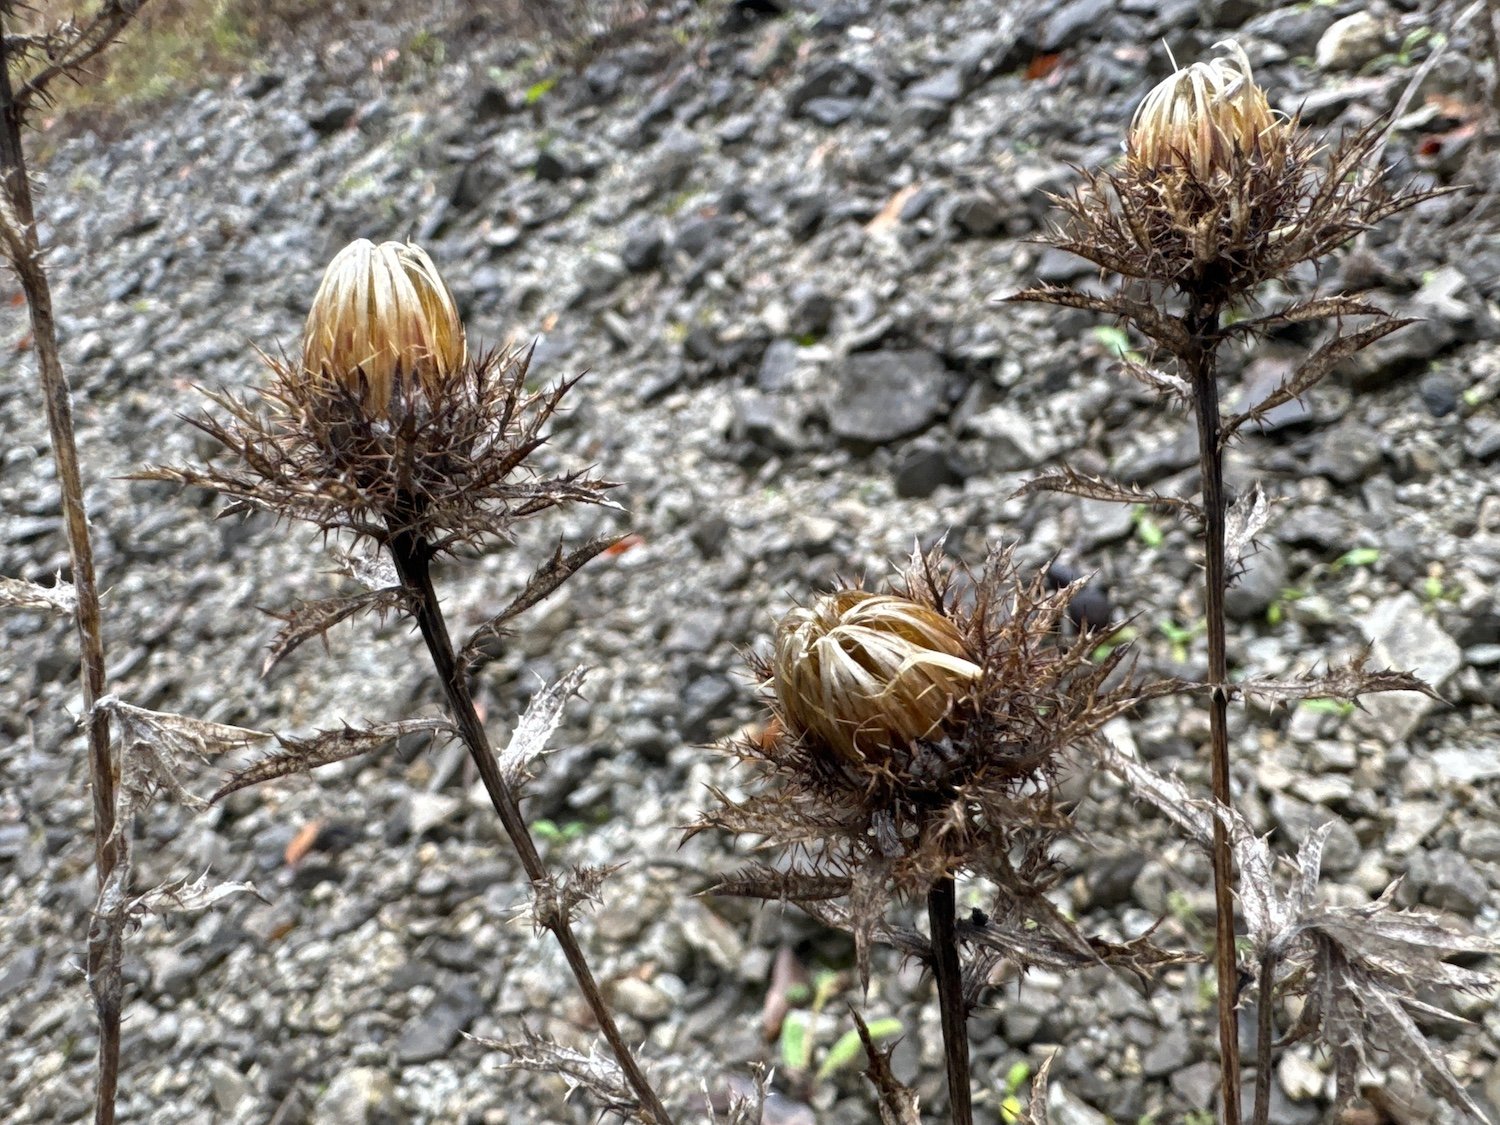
(1347, 682)
(1312, 308)
(562, 896)
(153, 746)
(600, 1076)
(536, 726)
(1246, 519)
(483, 643)
(1172, 387)
(1036, 1111)
(180, 896)
(1312, 371)
(1164, 328)
(16, 593)
(1068, 480)
(307, 620)
(744, 1102)
(299, 755)
(771, 885)
(898, 1103)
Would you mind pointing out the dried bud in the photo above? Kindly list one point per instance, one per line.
(863, 673)
(1207, 119)
(383, 320)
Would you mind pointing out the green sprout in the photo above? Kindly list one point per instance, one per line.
(1359, 556)
(850, 1046)
(1147, 530)
(1011, 1109)
(538, 90)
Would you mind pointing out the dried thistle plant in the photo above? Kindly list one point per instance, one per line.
(1215, 196)
(388, 428)
(914, 737)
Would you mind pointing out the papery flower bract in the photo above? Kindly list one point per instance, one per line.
(383, 320)
(1207, 118)
(862, 672)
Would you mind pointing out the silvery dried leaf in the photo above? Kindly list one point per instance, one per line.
(1245, 520)
(181, 896)
(16, 593)
(153, 746)
(536, 726)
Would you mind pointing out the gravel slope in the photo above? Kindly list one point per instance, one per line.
(773, 243)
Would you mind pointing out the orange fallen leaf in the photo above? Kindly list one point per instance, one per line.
(1041, 66)
(302, 843)
(628, 543)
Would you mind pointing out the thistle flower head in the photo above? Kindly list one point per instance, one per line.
(386, 426)
(862, 673)
(383, 320)
(1207, 119)
(915, 734)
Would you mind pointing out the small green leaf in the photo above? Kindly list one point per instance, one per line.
(1147, 529)
(1116, 341)
(538, 90)
(546, 830)
(1322, 706)
(849, 1047)
(1359, 556)
(1017, 1075)
(1010, 1109)
(796, 1044)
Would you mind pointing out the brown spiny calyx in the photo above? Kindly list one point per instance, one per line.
(1206, 119)
(383, 320)
(863, 673)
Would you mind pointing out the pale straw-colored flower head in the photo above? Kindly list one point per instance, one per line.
(383, 319)
(863, 673)
(1207, 119)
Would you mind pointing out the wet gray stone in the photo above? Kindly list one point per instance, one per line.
(1403, 636)
(877, 397)
(1447, 880)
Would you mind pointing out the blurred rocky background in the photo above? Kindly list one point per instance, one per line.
(771, 232)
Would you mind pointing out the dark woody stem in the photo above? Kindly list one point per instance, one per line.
(1265, 1030)
(1201, 362)
(942, 916)
(413, 559)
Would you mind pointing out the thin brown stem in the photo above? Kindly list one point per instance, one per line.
(1265, 1031)
(942, 916)
(24, 251)
(412, 559)
(1202, 366)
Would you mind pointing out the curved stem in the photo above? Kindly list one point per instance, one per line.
(24, 251)
(942, 916)
(412, 559)
(1201, 362)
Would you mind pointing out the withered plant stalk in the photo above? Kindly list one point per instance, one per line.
(66, 49)
(948, 975)
(388, 428)
(1200, 358)
(413, 557)
(1218, 195)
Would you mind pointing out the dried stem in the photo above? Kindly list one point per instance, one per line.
(22, 248)
(1265, 1032)
(413, 563)
(1200, 361)
(942, 916)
